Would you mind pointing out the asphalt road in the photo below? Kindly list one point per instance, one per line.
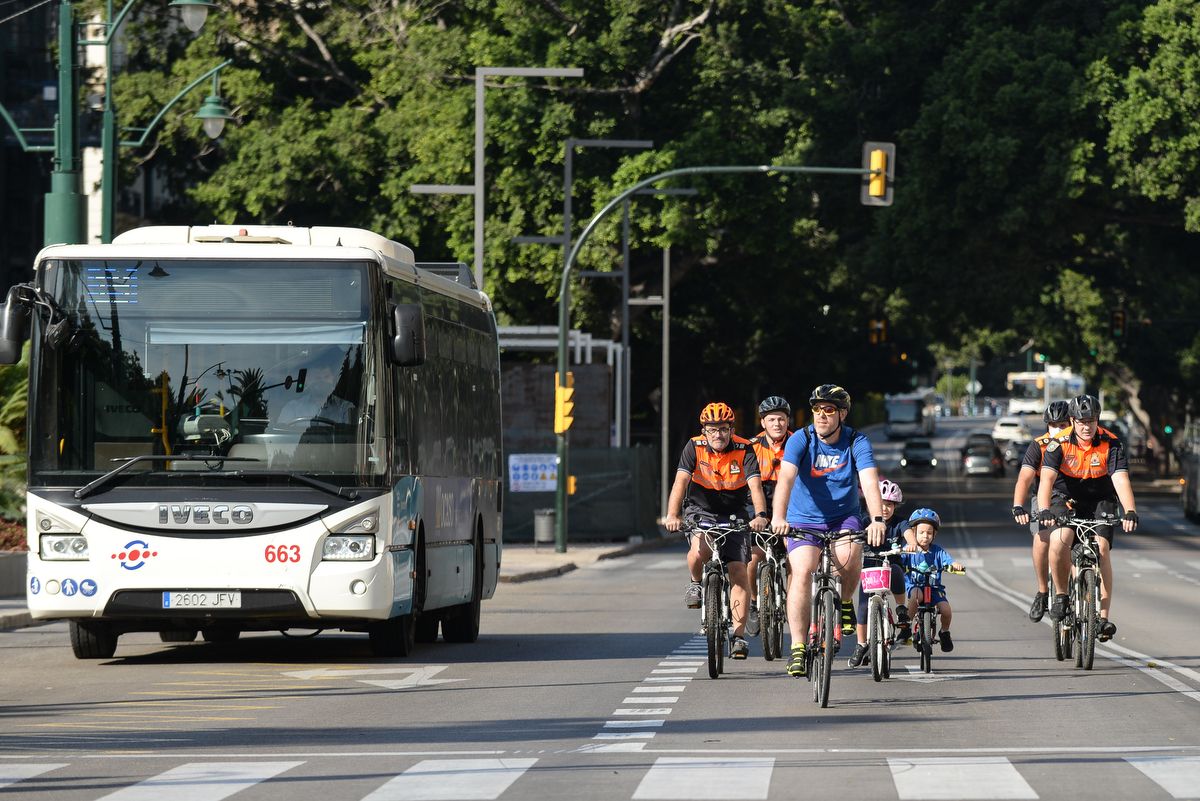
(590, 686)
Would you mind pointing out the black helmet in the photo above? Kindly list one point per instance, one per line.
(1082, 407)
(831, 393)
(1056, 414)
(774, 403)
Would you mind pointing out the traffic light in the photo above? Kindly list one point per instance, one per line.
(1168, 429)
(1118, 323)
(1040, 358)
(564, 403)
(879, 160)
(877, 332)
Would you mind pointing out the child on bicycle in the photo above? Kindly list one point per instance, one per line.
(892, 497)
(928, 558)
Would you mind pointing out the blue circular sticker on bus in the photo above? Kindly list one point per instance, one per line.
(35, 586)
(87, 587)
(69, 587)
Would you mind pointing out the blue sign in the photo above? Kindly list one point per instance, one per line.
(87, 587)
(35, 586)
(69, 587)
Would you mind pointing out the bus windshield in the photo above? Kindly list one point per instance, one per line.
(904, 411)
(268, 362)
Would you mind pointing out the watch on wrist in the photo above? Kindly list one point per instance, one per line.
(879, 519)
(763, 515)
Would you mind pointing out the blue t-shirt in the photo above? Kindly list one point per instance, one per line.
(935, 559)
(826, 487)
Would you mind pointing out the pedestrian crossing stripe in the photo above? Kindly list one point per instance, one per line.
(970, 778)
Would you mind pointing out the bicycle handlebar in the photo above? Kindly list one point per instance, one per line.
(855, 535)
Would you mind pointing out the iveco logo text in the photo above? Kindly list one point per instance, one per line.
(203, 515)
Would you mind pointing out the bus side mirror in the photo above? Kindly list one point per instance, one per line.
(408, 344)
(14, 328)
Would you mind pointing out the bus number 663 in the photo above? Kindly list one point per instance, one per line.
(282, 553)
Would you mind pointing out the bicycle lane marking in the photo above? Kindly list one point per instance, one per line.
(1137, 660)
(641, 713)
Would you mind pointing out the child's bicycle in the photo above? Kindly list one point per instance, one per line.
(928, 581)
(716, 617)
(1077, 631)
(772, 595)
(876, 582)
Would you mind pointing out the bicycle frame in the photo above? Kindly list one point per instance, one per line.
(772, 595)
(881, 627)
(716, 616)
(925, 622)
(1082, 621)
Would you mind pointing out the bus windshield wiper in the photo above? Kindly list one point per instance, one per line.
(88, 489)
(349, 493)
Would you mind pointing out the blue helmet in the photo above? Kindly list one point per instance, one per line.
(924, 515)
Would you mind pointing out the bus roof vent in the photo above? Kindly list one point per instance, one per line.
(454, 270)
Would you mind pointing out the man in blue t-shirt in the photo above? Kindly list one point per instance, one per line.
(824, 466)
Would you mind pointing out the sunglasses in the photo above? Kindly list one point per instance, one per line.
(825, 411)
(717, 430)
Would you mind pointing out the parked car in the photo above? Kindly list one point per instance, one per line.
(1014, 450)
(977, 438)
(918, 454)
(982, 460)
(1010, 427)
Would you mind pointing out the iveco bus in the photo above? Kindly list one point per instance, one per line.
(258, 428)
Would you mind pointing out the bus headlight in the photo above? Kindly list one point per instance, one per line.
(349, 547)
(63, 547)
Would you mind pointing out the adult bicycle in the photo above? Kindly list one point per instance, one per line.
(772, 595)
(824, 629)
(876, 582)
(1080, 626)
(716, 612)
(927, 581)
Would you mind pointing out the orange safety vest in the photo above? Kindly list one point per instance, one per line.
(1085, 460)
(769, 456)
(724, 471)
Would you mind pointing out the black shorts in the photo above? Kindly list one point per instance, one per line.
(1085, 510)
(735, 548)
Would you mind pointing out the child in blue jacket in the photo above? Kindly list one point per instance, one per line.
(928, 558)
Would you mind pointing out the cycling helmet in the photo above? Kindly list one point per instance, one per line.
(1056, 414)
(832, 394)
(774, 404)
(924, 515)
(716, 413)
(1082, 407)
(890, 491)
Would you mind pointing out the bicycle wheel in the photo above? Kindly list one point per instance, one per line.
(926, 628)
(1062, 644)
(766, 610)
(877, 646)
(1089, 619)
(780, 583)
(713, 624)
(828, 631)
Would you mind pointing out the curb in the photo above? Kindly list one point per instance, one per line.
(616, 553)
(639, 547)
(15, 620)
(534, 575)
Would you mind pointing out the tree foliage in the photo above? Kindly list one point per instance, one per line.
(1047, 169)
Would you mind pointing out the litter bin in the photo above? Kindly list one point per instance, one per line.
(543, 525)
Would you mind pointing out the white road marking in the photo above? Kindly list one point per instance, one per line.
(959, 778)
(613, 748)
(681, 663)
(415, 676)
(11, 774)
(675, 670)
(453, 780)
(698, 777)
(633, 724)
(1194, 565)
(667, 678)
(652, 699)
(201, 781)
(1178, 775)
(666, 564)
(623, 735)
(1137, 563)
(675, 688)
(653, 710)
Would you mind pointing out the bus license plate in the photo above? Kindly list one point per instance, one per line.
(204, 599)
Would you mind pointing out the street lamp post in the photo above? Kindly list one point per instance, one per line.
(65, 210)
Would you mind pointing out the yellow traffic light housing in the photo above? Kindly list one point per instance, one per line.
(564, 403)
(879, 166)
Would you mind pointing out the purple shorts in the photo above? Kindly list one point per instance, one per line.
(796, 540)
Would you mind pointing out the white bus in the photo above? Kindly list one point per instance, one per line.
(258, 428)
(1030, 390)
(911, 414)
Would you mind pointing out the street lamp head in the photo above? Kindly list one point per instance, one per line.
(212, 116)
(193, 12)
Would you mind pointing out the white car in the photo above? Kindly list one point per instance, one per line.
(1009, 428)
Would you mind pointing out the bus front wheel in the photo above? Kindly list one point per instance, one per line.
(394, 637)
(91, 639)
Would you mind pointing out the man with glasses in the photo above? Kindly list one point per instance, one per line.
(775, 415)
(717, 477)
(824, 467)
(1084, 473)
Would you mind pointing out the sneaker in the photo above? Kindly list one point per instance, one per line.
(1058, 609)
(1039, 606)
(1107, 630)
(797, 666)
(903, 626)
(691, 596)
(946, 642)
(739, 649)
(848, 617)
(752, 621)
(861, 656)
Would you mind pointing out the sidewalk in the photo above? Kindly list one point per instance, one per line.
(520, 562)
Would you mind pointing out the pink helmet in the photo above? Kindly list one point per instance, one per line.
(890, 491)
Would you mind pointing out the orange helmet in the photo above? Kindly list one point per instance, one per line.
(716, 413)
